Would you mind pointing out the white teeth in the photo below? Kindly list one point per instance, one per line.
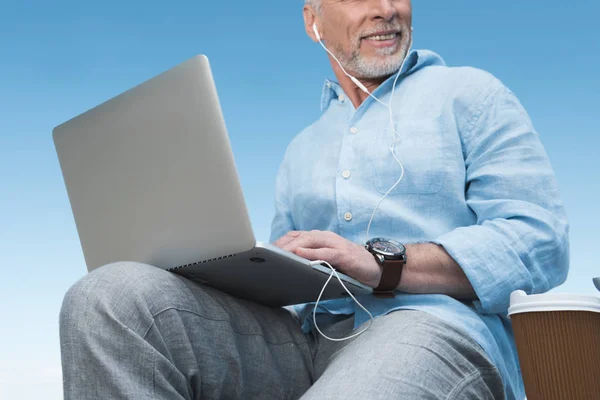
(383, 37)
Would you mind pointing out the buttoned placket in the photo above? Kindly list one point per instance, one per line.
(345, 174)
(351, 137)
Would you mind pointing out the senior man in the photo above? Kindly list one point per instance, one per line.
(443, 163)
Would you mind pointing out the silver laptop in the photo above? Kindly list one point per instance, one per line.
(151, 178)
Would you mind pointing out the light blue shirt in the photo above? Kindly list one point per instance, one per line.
(478, 182)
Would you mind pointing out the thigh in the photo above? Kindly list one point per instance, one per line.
(404, 355)
(239, 349)
(130, 330)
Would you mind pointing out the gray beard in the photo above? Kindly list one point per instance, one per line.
(369, 68)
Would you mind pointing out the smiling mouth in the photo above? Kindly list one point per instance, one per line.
(382, 37)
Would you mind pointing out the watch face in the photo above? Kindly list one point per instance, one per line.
(387, 247)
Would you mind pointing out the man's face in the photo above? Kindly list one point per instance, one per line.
(370, 37)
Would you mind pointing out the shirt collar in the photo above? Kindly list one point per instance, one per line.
(415, 60)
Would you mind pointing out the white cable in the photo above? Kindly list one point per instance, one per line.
(393, 151)
(353, 79)
(334, 272)
(390, 109)
(393, 146)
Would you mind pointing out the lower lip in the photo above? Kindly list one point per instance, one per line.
(383, 43)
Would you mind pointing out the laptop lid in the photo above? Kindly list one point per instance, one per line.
(151, 176)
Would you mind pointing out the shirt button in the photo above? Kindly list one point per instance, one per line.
(354, 130)
(342, 98)
(348, 216)
(346, 174)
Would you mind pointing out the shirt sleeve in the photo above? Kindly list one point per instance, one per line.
(282, 222)
(520, 240)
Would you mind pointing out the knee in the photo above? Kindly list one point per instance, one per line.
(129, 292)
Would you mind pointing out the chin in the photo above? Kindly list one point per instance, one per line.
(380, 66)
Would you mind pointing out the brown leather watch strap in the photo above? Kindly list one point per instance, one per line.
(390, 278)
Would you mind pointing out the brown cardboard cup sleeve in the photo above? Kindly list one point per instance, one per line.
(558, 342)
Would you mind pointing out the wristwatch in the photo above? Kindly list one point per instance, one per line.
(391, 255)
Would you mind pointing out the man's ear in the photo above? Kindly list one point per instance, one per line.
(310, 18)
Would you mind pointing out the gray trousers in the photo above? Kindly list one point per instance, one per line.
(132, 331)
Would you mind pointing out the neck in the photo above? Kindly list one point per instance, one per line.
(354, 93)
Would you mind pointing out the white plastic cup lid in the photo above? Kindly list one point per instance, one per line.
(520, 302)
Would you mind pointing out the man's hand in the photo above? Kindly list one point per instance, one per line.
(347, 257)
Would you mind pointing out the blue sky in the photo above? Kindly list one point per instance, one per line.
(60, 58)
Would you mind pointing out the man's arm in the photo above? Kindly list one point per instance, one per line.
(431, 270)
(520, 240)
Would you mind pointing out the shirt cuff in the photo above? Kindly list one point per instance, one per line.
(493, 268)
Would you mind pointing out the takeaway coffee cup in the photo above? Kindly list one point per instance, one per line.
(558, 342)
